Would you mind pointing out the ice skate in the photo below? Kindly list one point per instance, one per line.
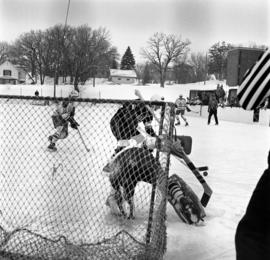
(52, 147)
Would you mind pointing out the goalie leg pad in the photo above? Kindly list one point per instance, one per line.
(184, 201)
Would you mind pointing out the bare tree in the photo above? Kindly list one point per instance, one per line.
(90, 52)
(4, 48)
(198, 63)
(164, 49)
(139, 68)
(23, 52)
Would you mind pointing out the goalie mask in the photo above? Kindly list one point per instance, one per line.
(156, 98)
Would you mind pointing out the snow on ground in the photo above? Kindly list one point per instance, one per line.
(235, 153)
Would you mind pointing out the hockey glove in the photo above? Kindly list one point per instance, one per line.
(73, 123)
(165, 144)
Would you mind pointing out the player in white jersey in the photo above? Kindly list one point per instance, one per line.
(180, 109)
(63, 114)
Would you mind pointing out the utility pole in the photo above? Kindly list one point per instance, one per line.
(58, 56)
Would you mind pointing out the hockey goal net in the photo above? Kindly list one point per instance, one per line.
(52, 204)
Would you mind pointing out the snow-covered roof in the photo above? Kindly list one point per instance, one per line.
(7, 77)
(123, 73)
(16, 66)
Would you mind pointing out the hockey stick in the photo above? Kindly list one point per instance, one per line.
(86, 148)
(200, 169)
(195, 112)
(190, 110)
(207, 190)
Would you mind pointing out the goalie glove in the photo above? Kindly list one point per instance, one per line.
(164, 144)
(73, 123)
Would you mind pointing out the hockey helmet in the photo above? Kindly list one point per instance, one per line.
(156, 98)
(74, 94)
(65, 103)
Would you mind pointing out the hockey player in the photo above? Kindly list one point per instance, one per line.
(130, 166)
(180, 109)
(124, 124)
(63, 115)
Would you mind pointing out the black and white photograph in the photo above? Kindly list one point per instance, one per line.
(134, 129)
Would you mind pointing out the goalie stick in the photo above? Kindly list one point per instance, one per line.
(207, 190)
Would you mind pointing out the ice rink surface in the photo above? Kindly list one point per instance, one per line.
(236, 154)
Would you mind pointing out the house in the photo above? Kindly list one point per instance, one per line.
(123, 76)
(11, 74)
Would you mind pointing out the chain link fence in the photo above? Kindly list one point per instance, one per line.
(52, 204)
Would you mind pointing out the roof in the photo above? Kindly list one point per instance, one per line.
(7, 77)
(123, 73)
(16, 66)
(246, 49)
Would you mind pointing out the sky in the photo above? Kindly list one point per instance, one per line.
(133, 22)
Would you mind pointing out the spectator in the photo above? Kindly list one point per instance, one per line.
(36, 93)
(252, 239)
(266, 103)
(220, 95)
(217, 91)
(212, 109)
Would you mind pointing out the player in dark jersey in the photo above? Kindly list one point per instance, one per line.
(124, 124)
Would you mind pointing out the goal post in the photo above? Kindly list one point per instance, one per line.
(53, 204)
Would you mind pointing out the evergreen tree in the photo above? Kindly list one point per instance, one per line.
(127, 62)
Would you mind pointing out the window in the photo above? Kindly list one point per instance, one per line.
(7, 72)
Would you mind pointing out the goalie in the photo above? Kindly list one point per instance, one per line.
(63, 114)
(129, 166)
